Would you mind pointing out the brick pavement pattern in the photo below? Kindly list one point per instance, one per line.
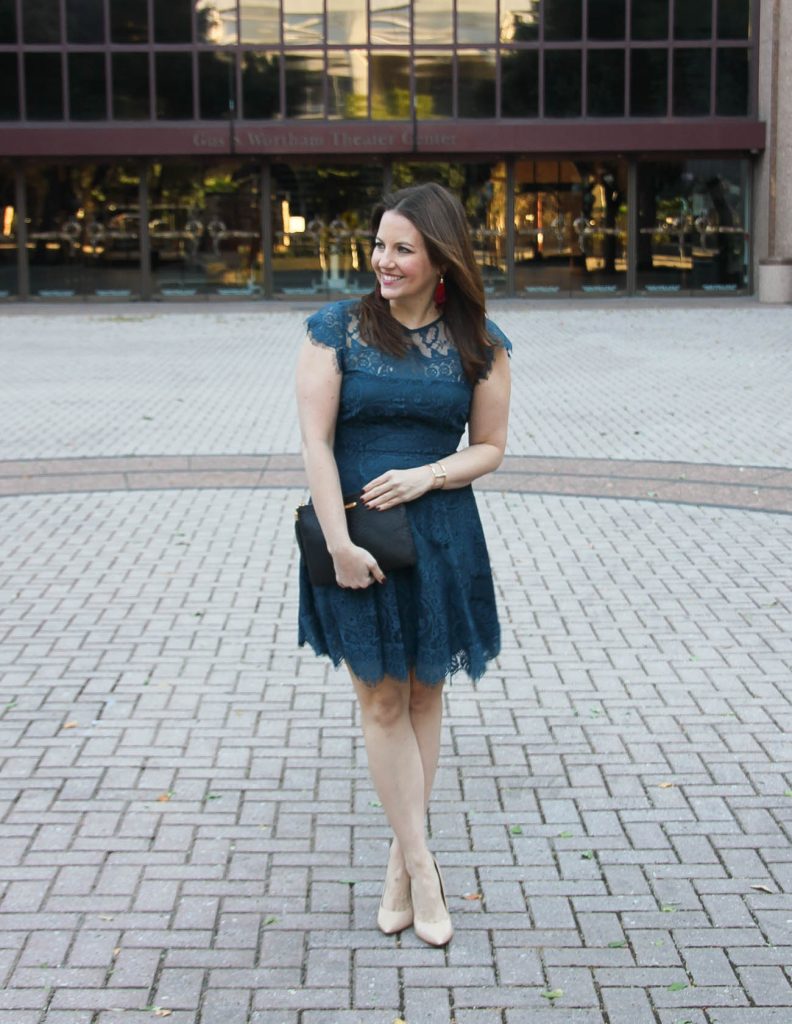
(187, 830)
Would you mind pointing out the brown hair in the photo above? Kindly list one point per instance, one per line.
(439, 217)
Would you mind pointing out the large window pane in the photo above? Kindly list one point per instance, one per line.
(8, 26)
(41, 21)
(174, 79)
(649, 19)
(8, 229)
(131, 86)
(390, 86)
(261, 86)
(303, 22)
(347, 21)
(87, 87)
(9, 87)
(519, 21)
(433, 21)
(563, 20)
(476, 84)
(85, 21)
(649, 83)
(129, 21)
(433, 85)
(217, 21)
(606, 19)
(606, 83)
(562, 81)
(691, 226)
(173, 21)
(43, 86)
(320, 227)
(519, 83)
(692, 82)
(304, 85)
(476, 21)
(260, 21)
(84, 230)
(732, 97)
(692, 19)
(217, 85)
(734, 19)
(206, 229)
(347, 83)
(390, 22)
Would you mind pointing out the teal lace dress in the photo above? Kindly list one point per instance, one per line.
(439, 616)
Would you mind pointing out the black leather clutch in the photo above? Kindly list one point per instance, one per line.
(385, 534)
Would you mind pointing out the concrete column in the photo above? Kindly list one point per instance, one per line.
(773, 179)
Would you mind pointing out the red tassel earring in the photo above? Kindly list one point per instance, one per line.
(440, 293)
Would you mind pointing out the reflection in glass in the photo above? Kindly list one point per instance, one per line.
(606, 83)
(519, 21)
(606, 19)
(320, 227)
(85, 21)
(390, 22)
(217, 22)
(649, 19)
(390, 86)
(216, 85)
(43, 86)
(173, 21)
(692, 19)
(562, 83)
(205, 229)
(9, 87)
(84, 229)
(8, 26)
(347, 83)
(174, 81)
(346, 21)
(304, 85)
(563, 20)
(691, 226)
(649, 83)
(259, 21)
(734, 19)
(260, 86)
(434, 85)
(87, 88)
(519, 83)
(41, 21)
(433, 21)
(130, 86)
(129, 21)
(303, 22)
(8, 239)
(732, 95)
(476, 83)
(692, 82)
(476, 21)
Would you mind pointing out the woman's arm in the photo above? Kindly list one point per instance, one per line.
(487, 432)
(318, 396)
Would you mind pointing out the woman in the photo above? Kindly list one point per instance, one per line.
(385, 389)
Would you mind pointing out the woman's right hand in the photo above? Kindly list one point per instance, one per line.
(356, 568)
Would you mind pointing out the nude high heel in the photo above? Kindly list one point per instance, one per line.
(392, 921)
(439, 932)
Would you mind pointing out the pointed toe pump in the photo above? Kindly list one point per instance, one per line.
(392, 921)
(439, 932)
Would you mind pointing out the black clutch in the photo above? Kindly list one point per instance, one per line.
(384, 534)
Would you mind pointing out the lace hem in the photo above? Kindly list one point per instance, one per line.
(327, 345)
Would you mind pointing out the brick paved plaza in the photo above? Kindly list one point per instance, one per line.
(188, 830)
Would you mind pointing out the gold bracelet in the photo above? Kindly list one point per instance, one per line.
(441, 475)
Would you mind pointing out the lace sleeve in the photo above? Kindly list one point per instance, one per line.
(328, 328)
(500, 340)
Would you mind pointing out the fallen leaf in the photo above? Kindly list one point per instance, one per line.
(399, 1020)
(269, 920)
(160, 1012)
(70, 725)
(213, 796)
(677, 986)
(106, 917)
(666, 785)
(668, 908)
(116, 951)
(374, 803)
(516, 830)
(163, 798)
(587, 855)
(472, 896)
(617, 944)
(565, 835)
(763, 888)
(788, 792)
(552, 994)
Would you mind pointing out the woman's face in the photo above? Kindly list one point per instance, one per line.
(400, 260)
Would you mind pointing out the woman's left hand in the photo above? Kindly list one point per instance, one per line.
(397, 486)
